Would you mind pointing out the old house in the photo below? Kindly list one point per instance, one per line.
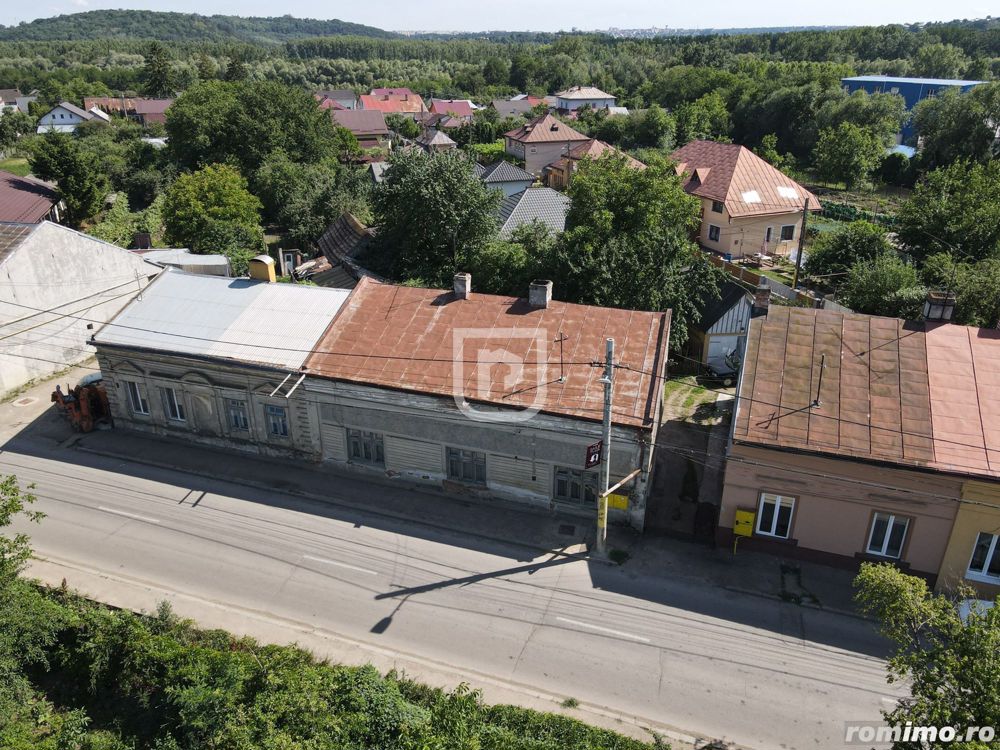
(865, 438)
(718, 338)
(476, 395)
(65, 117)
(409, 104)
(506, 177)
(434, 141)
(27, 200)
(560, 173)
(368, 126)
(512, 107)
(54, 282)
(576, 97)
(540, 204)
(459, 108)
(541, 141)
(341, 98)
(142, 110)
(748, 206)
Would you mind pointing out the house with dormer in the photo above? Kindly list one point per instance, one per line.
(541, 141)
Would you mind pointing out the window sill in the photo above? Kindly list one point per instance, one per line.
(983, 578)
(775, 539)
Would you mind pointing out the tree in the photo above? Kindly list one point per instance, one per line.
(954, 209)
(628, 243)
(949, 662)
(236, 70)
(157, 77)
(881, 114)
(976, 287)
(509, 266)
(705, 118)
(654, 128)
(940, 61)
(956, 125)
(768, 151)
(847, 154)
(58, 157)
(883, 285)
(403, 125)
(205, 67)
(835, 252)
(15, 551)
(433, 216)
(211, 210)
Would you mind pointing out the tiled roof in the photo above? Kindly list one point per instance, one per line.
(335, 94)
(401, 91)
(907, 393)
(70, 107)
(345, 238)
(405, 338)
(456, 107)
(116, 104)
(545, 129)
(736, 176)
(542, 203)
(388, 103)
(361, 121)
(8, 96)
(504, 171)
(434, 137)
(24, 199)
(331, 104)
(583, 92)
(595, 149)
(512, 108)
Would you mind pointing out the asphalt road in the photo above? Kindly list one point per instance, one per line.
(762, 673)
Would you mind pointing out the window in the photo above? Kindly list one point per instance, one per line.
(718, 206)
(787, 232)
(887, 535)
(713, 232)
(577, 487)
(277, 420)
(767, 234)
(774, 516)
(467, 466)
(366, 447)
(239, 419)
(136, 400)
(985, 563)
(173, 404)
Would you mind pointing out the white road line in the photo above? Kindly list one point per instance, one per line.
(339, 564)
(128, 515)
(603, 630)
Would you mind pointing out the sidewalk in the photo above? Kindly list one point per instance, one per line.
(536, 531)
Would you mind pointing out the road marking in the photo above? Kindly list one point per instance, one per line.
(339, 564)
(128, 515)
(604, 630)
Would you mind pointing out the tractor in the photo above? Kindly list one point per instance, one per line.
(85, 406)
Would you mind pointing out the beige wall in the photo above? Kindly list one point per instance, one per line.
(537, 156)
(835, 502)
(747, 235)
(979, 513)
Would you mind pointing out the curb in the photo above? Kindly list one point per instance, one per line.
(806, 605)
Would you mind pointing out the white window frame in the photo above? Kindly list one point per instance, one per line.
(983, 576)
(892, 520)
(782, 234)
(718, 233)
(138, 404)
(242, 424)
(273, 412)
(173, 405)
(780, 501)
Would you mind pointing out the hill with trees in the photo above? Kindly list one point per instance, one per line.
(180, 27)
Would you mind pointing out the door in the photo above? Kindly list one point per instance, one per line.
(719, 348)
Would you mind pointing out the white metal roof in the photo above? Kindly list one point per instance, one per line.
(180, 255)
(240, 319)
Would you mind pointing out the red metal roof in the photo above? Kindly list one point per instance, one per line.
(899, 391)
(736, 176)
(456, 107)
(24, 199)
(401, 91)
(388, 103)
(545, 129)
(409, 339)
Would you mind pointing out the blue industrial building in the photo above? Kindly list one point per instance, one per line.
(912, 90)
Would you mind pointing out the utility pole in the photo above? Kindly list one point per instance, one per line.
(802, 240)
(602, 498)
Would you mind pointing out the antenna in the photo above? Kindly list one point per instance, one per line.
(819, 386)
(562, 359)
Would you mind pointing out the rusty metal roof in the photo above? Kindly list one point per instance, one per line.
(410, 339)
(892, 390)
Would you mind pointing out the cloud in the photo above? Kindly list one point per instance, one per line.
(81, 3)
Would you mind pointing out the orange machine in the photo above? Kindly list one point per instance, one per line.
(85, 406)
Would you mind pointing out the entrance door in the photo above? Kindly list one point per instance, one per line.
(719, 347)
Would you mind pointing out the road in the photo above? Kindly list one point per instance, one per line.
(714, 663)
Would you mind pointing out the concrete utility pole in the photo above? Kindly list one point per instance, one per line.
(602, 498)
(802, 239)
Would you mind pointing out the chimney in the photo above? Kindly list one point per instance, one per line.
(463, 285)
(761, 300)
(540, 293)
(939, 306)
(262, 268)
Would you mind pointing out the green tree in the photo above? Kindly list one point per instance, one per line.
(14, 125)
(847, 154)
(940, 61)
(976, 287)
(949, 664)
(509, 266)
(654, 128)
(881, 114)
(835, 252)
(236, 70)
(955, 126)
(954, 209)
(212, 210)
(157, 76)
(205, 66)
(628, 243)
(59, 157)
(433, 216)
(403, 125)
(705, 118)
(883, 285)
(768, 151)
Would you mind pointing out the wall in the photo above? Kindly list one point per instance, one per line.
(510, 188)
(744, 236)
(572, 104)
(79, 279)
(979, 513)
(537, 156)
(834, 503)
(416, 429)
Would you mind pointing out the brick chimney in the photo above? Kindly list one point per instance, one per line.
(761, 301)
(540, 293)
(463, 285)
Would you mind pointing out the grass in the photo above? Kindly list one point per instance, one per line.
(570, 703)
(16, 165)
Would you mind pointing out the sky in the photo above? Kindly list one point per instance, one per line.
(531, 15)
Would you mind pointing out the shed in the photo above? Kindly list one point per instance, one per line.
(718, 338)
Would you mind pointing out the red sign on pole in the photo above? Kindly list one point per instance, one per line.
(593, 455)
